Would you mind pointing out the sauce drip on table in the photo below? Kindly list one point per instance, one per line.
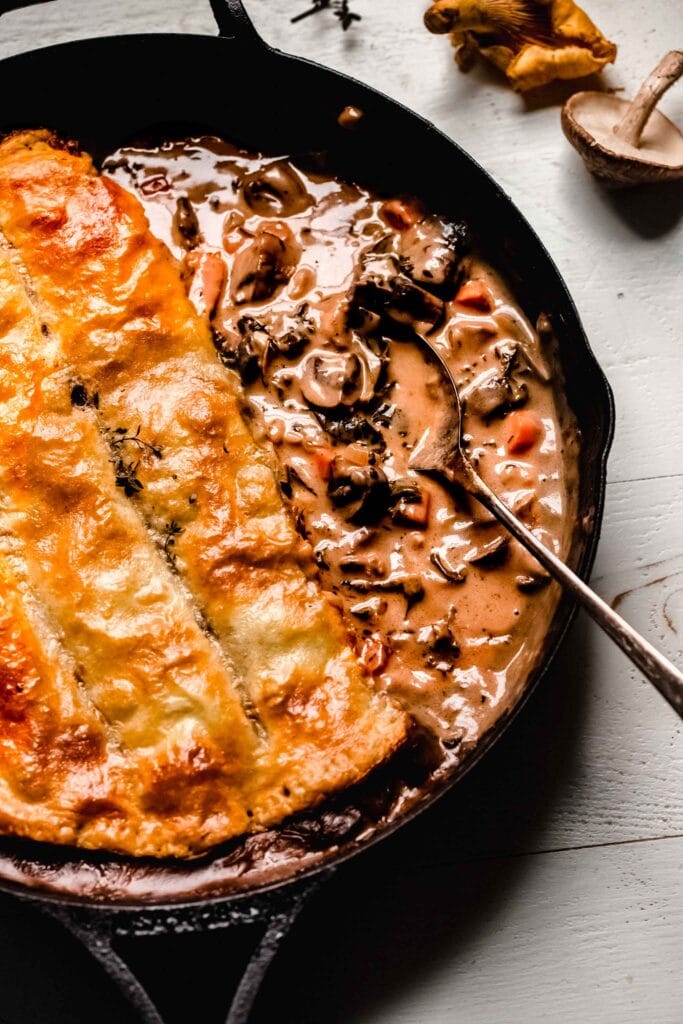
(314, 288)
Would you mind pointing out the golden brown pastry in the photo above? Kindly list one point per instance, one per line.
(170, 675)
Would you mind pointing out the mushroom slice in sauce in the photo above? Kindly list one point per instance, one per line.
(275, 190)
(186, 224)
(265, 265)
(363, 491)
(497, 390)
(431, 250)
(383, 288)
(489, 553)
(329, 377)
(493, 392)
(247, 351)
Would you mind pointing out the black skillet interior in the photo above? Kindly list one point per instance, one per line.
(105, 92)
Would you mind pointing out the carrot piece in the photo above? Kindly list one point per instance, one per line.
(476, 294)
(524, 430)
(399, 215)
(234, 241)
(208, 281)
(413, 513)
(323, 459)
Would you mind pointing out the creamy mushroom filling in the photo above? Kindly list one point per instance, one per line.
(315, 288)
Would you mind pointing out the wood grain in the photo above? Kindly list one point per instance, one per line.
(576, 937)
(547, 886)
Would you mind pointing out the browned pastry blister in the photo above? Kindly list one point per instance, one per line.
(171, 674)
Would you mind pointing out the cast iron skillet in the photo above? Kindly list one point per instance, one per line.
(105, 91)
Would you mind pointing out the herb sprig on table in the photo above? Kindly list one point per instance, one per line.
(340, 8)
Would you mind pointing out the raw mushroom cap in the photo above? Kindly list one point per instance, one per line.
(588, 121)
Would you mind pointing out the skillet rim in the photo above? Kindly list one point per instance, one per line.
(565, 611)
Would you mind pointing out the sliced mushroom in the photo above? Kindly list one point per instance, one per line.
(529, 583)
(383, 288)
(247, 352)
(497, 390)
(431, 251)
(297, 330)
(490, 553)
(347, 428)
(276, 190)
(372, 366)
(626, 142)
(363, 491)
(442, 649)
(409, 585)
(441, 559)
(185, 224)
(493, 392)
(329, 377)
(265, 264)
(370, 609)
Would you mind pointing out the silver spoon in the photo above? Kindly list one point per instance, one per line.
(440, 452)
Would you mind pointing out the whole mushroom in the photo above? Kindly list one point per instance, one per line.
(626, 142)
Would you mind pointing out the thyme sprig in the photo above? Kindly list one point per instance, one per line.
(120, 436)
(126, 470)
(340, 8)
(171, 531)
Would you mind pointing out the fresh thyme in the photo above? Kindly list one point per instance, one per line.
(120, 436)
(171, 531)
(340, 8)
(126, 470)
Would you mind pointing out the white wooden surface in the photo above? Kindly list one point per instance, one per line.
(548, 887)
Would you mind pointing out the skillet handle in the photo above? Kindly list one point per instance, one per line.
(100, 933)
(234, 22)
(14, 5)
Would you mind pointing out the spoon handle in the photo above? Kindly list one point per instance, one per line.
(658, 669)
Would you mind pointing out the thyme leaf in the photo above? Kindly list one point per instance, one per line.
(171, 531)
(120, 436)
(125, 469)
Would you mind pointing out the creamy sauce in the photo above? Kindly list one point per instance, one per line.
(325, 282)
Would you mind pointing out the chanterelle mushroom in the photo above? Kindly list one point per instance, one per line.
(626, 142)
(532, 41)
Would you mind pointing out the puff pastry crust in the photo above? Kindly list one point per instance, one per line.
(171, 674)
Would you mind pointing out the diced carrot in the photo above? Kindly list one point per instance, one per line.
(234, 241)
(413, 513)
(524, 429)
(207, 283)
(399, 215)
(323, 459)
(476, 294)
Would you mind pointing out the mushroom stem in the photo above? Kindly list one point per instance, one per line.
(668, 71)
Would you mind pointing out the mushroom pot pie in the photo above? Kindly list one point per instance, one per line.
(225, 592)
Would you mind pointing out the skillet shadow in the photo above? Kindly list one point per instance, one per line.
(390, 920)
(556, 93)
(650, 211)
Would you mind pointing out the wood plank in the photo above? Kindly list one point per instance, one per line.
(590, 936)
(418, 930)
